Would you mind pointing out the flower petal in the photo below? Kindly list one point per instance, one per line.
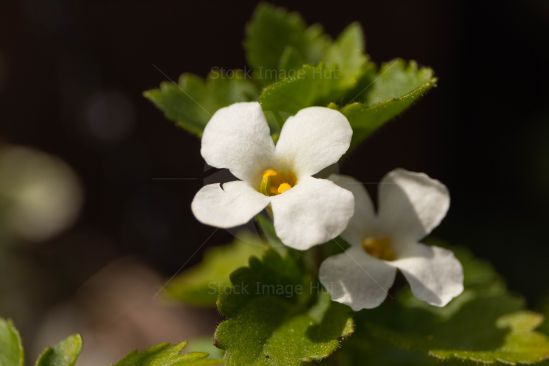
(231, 205)
(364, 221)
(313, 212)
(237, 138)
(434, 274)
(313, 139)
(356, 279)
(411, 204)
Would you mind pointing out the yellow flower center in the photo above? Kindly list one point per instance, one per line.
(274, 182)
(379, 247)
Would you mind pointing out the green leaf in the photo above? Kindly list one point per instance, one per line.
(201, 284)
(347, 53)
(165, 354)
(64, 353)
(310, 85)
(290, 61)
(11, 349)
(397, 86)
(268, 332)
(523, 345)
(271, 275)
(466, 324)
(191, 102)
(397, 79)
(271, 32)
(270, 318)
(312, 336)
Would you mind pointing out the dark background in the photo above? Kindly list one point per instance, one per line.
(75, 70)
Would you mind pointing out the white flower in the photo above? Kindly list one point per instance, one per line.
(410, 206)
(306, 210)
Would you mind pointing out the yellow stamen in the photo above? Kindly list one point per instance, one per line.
(283, 187)
(379, 247)
(269, 173)
(274, 182)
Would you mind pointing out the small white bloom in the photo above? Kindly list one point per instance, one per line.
(410, 206)
(306, 210)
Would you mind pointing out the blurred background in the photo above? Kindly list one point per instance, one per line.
(92, 220)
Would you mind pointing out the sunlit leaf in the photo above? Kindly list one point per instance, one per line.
(347, 53)
(397, 86)
(522, 345)
(167, 355)
(270, 318)
(65, 353)
(11, 349)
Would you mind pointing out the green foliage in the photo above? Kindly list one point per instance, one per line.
(278, 43)
(270, 276)
(276, 316)
(521, 345)
(11, 349)
(165, 354)
(397, 79)
(344, 73)
(290, 61)
(276, 38)
(298, 67)
(191, 102)
(201, 284)
(347, 53)
(65, 353)
(397, 86)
